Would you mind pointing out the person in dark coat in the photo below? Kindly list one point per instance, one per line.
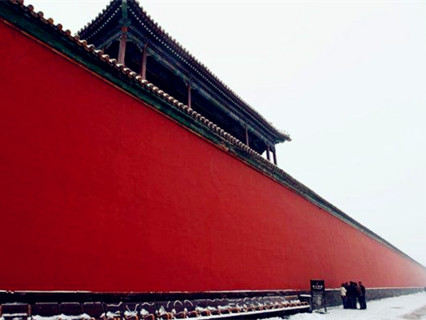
(358, 294)
(351, 295)
(361, 298)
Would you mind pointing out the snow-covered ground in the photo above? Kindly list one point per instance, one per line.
(410, 307)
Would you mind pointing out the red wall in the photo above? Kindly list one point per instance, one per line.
(99, 192)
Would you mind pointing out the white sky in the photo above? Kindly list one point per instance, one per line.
(346, 79)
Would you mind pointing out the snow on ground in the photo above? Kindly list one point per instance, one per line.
(410, 307)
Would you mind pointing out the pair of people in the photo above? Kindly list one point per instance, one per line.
(350, 293)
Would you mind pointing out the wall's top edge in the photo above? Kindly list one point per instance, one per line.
(34, 24)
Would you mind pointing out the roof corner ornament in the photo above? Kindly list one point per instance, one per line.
(124, 13)
(125, 20)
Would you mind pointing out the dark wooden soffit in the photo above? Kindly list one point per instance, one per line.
(32, 23)
(180, 54)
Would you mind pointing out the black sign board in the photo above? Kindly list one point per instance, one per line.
(317, 285)
(318, 294)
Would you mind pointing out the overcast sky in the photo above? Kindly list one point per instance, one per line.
(346, 79)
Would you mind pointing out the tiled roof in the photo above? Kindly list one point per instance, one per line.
(179, 52)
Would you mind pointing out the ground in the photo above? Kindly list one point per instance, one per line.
(410, 307)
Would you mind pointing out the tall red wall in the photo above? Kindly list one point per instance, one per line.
(100, 192)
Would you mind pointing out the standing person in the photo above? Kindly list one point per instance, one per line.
(343, 296)
(361, 298)
(351, 295)
(358, 295)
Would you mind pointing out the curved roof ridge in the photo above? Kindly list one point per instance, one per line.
(97, 18)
